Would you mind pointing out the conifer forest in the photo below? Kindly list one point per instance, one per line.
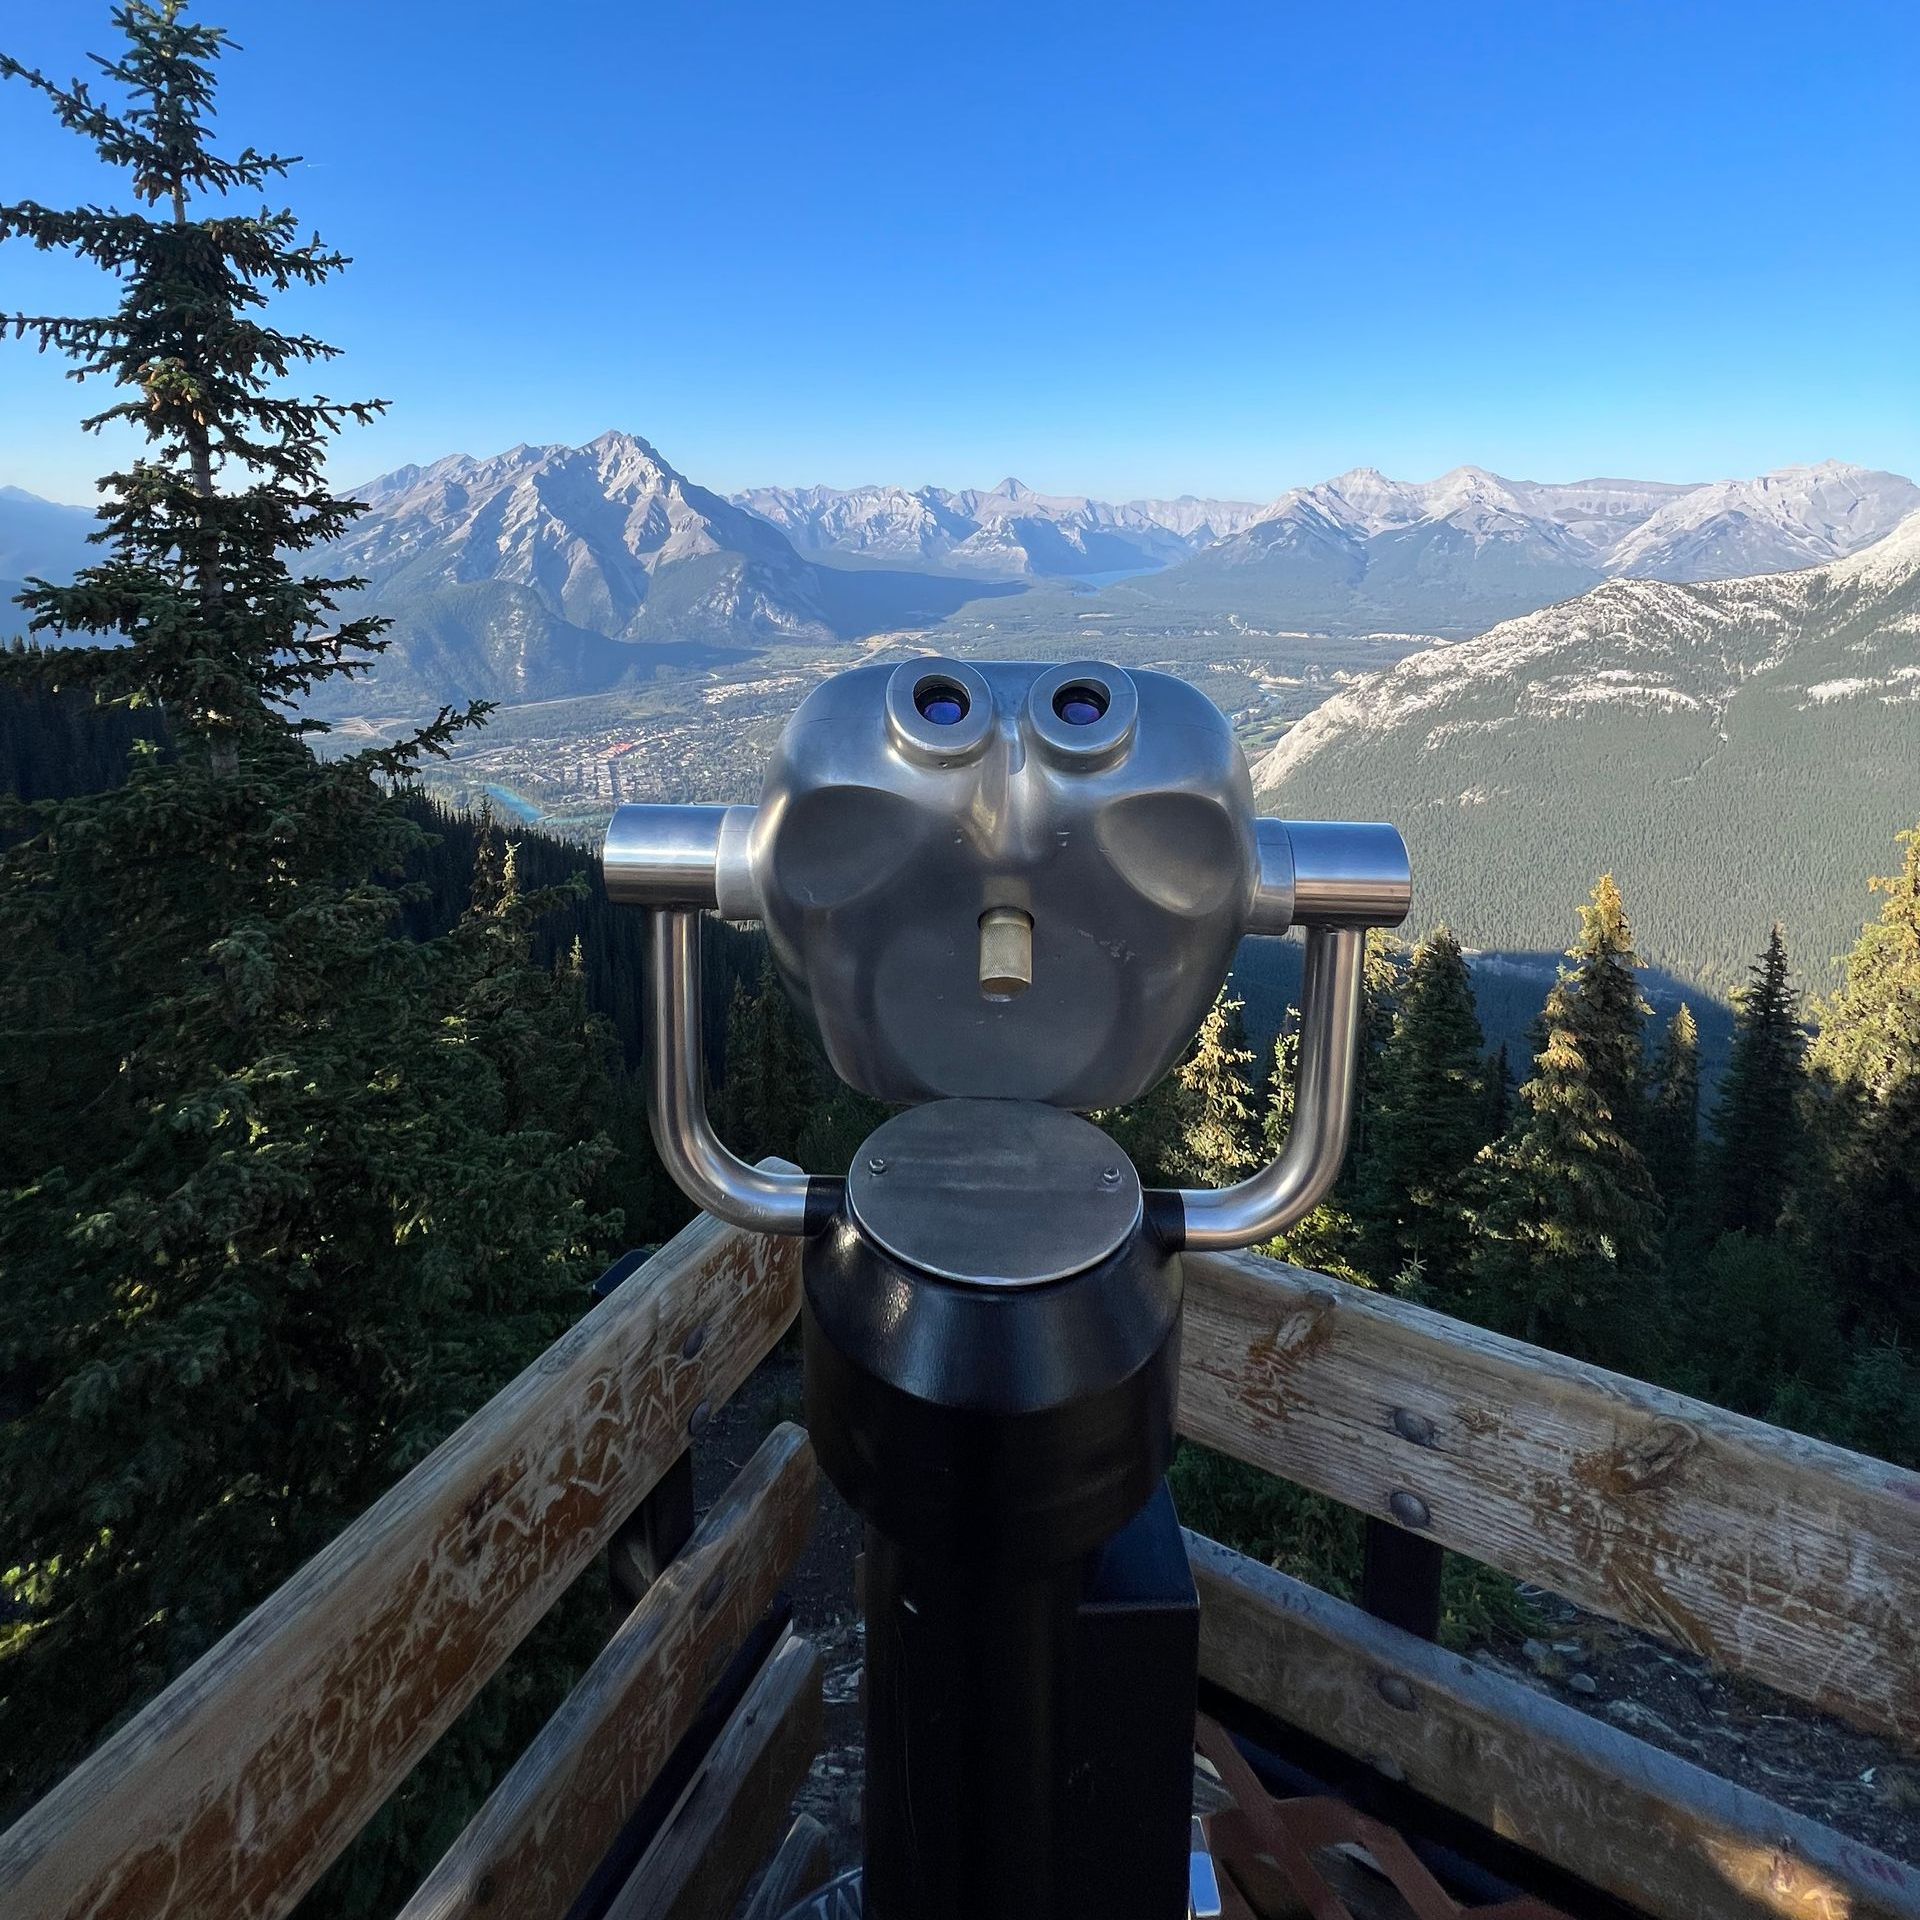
(319, 1101)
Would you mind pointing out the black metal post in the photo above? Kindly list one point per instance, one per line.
(1400, 1578)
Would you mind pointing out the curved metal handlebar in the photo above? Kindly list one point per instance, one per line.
(709, 1173)
(1297, 1181)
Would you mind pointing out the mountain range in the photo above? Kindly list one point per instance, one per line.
(1453, 555)
(550, 571)
(1007, 531)
(1734, 751)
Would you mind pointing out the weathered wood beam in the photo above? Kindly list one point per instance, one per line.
(544, 1829)
(1622, 1815)
(735, 1806)
(1772, 1554)
(234, 1790)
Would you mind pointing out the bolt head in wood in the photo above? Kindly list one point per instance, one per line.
(1408, 1508)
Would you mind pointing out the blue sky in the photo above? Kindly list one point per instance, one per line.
(1113, 248)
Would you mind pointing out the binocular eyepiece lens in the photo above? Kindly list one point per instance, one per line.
(940, 702)
(1080, 705)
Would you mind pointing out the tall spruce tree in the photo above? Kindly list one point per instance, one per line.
(1428, 1123)
(1864, 1118)
(1568, 1227)
(1283, 1078)
(1327, 1238)
(1756, 1121)
(1220, 1128)
(1673, 1113)
(286, 1193)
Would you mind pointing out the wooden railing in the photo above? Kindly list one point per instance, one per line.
(1775, 1556)
(230, 1794)
(1772, 1555)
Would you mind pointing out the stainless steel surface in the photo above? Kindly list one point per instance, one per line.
(1298, 1180)
(1272, 910)
(1006, 952)
(1000, 1193)
(1203, 1882)
(1349, 874)
(883, 835)
(701, 1167)
(680, 857)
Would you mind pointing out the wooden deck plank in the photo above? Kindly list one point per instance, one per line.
(1769, 1553)
(1659, 1832)
(234, 1789)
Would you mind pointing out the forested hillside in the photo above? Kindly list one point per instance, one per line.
(1738, 752)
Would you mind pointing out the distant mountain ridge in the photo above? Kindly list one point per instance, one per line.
(1008, 530)
(1455, 555)
(1667, 731)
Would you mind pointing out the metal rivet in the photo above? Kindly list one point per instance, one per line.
(1111, 1177)
(692, 1344)
(877, 1164)
(1408, 1508)
(1414, 1426)
(697, 1421)
(1397, 1692)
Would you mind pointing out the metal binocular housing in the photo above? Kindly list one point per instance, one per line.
(1013, 882)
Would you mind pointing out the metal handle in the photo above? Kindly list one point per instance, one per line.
(1336, 878)
(1296, 1182)
(700, 1165)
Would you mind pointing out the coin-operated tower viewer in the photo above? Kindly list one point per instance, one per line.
(1005, 896)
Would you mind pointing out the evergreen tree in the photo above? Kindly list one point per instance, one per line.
(1497, 1081)
(1428, 1123)
(1673, 1113)
(1282, 1080)
(1381, 979)
(1864, 1117)
(1326, 1238)
(1758, 1144)
(1220, 1135)
(768, 1076)
(836, 1128)
(286, 1192)
(1569, 1220)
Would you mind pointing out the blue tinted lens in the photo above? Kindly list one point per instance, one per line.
(941, 702)
(1080, 706)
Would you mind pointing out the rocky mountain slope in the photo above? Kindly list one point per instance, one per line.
(1732, 750)
(549, 571)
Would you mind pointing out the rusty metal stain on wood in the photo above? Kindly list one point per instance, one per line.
(1773, 1554)
(235, 1789)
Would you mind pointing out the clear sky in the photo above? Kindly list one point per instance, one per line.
(1115, 248)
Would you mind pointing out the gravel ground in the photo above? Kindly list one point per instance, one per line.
(1862, 1786)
